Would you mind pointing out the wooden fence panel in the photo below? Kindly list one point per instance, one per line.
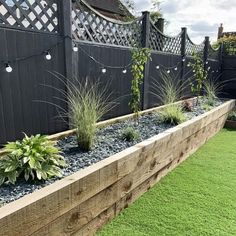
(28, 92)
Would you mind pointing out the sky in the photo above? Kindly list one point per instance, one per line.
(201, 17)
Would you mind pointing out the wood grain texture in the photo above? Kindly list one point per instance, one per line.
(81, 203)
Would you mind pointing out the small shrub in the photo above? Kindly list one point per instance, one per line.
(87, 103)
(34, 157)
(130, 134)
(206, 106)
(172, 114)
(187, 106)
(232, 115)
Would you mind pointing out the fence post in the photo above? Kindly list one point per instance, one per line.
(183, 54)
(65, 27)
(145, 44)
(160, 24)
(206, 51)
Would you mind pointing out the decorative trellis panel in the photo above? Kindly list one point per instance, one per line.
(161, 42)
(89, 25)
(191, 47)
(213, 53)
(36, 15)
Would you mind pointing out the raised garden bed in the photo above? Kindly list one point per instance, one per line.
(82, 202)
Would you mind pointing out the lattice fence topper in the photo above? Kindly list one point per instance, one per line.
(89, 25)
(160, 42)
(213, 53)
(30, 14)
(191, 47)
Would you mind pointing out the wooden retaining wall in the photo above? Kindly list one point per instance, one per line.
(81, 203)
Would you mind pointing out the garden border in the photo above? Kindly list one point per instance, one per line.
(81, 203)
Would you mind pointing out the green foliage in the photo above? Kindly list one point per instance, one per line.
(140, 57)
(168, 89)
(200, 74)
(229, 43)
(172, 114)
(130, 134)
(127, 6)
(87, 103)
(211, 90)
(232, 115)
(155, 13)
(34, 157)
(206, 106)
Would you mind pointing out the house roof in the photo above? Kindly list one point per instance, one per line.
(111, 6)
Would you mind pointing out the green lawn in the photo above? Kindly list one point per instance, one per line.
(198, 198)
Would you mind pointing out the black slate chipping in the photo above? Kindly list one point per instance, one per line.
(108, 142)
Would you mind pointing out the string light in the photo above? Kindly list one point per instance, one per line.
(75, 48)
(176, 69)
(206, 62)
(208, 68)
(184, 59)
(157, 67)
(124, 71)
(104, 70)
(168, 71)
(8, 68)
(48, 56)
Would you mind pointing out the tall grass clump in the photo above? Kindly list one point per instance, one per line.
(169, 89)
(87, 104)
(172, 114)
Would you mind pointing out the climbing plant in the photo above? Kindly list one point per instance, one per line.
(200, 74)
(140, 57)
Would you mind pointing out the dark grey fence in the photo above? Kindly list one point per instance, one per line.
(229, 76)
(30, 96)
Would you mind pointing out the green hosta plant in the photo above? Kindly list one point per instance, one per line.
(34, 157)
(172, 114)
(130, 134)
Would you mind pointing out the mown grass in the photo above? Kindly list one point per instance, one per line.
(198, 198)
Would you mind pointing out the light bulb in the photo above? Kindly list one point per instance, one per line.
(176, 68)
(157, 67)
(168, 71)
(75, 48)
(8, 68)
(206, 62)
(124, 71)
(48, 56)
(104, 70)
(194, 71)
(209, 68)
(183, 60)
